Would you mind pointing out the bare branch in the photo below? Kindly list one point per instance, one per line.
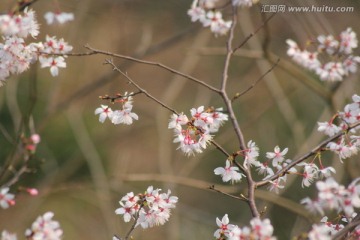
(193, 79)
(115, 68)
(253, 33)
(241, 198)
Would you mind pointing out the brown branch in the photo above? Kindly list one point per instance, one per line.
(108, 61)
(234, 121)
(241, 198)
(16, 176)
(193, 79)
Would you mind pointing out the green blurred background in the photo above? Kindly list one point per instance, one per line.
(85, 167)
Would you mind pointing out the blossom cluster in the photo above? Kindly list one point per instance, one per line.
(204, 12)
(122, 116)
(332, 60)
(44, 228)
(326, 229)
(16, 55)
(333, 196)
(276, 161)
(258, 230)
(148, 209)
(194, 133)
(348, 144)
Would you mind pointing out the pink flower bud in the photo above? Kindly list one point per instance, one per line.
(35, 138)
(32, 191)
(11, 202)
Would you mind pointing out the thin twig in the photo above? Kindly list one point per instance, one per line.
(115, 68)
(220, 148)
(191, 78)
(17, 176)
(242, 198)
(253, 33)
(256, 82)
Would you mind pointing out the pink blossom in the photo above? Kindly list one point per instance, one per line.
(45, 228)
(6, 198)
(328, 128)
(348, 41)
(229, 173)
(104, 112)
(277, 156)
(54, 63)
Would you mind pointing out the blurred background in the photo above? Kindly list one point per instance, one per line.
(83, 167)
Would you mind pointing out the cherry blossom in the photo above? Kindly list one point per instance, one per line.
(333, 196)
(176, 121)
(346, 145)
(59, 17)
(229, 173)
(53, 45)
(104, 112)
(311, 172)
(149, 209)
(124, 116)
(199, 11)
(327, 43)
(258, 230)
(6, 198)
(342, 149)
(5, 235)
(194, 134)
(276, 185)
(251, 154)
(224, 227)
(332, 59)
(350, 64)
(54, 63)
(45, 228)
(16, 55)
(319, 232)
(348, 41)
(19, 25)
(216, 23)
(277, 156)
(264, 169)
(328, 128)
